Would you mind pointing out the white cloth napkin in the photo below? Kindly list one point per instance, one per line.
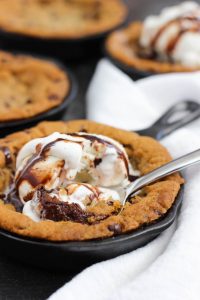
(168, 268)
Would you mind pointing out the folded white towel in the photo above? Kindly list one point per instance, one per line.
(168, 268)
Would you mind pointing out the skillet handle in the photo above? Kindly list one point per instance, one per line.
(177, 116)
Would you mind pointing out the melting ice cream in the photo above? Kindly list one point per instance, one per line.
(174, 34)
(79, 169)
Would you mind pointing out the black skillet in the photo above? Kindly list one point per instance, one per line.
(77, 255)
(134, 73)
(64, 48)
(55, 113)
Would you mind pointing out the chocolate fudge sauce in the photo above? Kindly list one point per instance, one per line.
(40, 154)
(12, 197)
(55, 210)
(174, 40)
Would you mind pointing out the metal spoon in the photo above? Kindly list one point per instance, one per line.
(167, 169)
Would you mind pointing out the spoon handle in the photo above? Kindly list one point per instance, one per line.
(179, 115)
(167, 169)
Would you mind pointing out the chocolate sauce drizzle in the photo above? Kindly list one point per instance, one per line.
(41, 154)
(195, 27)
(12, 197)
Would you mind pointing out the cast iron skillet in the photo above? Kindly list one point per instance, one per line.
(131, 71)
(69, 49)
(77, 255)
(55, 113)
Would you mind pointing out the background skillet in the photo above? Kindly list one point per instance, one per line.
(67, 47)
(122, 47)
(53, 114)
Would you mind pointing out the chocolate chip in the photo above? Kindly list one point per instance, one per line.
(53, 97)
(158, 212)
(7, 154)
(82, 129)
(115, 227)
(4, 60)
(27, 130)
(56, 80)
(97, 161)
(29, 101)
(7, 105)
(94, 12)
(128, 146)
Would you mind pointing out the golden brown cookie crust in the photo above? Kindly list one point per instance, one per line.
(123, 46)
(61, 18)
(146, 153)
(29, 86)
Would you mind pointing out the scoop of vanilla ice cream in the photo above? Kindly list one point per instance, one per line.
(178, 26)
(60, 159)
(111, 165)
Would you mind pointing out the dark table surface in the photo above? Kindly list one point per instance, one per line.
(19, 281)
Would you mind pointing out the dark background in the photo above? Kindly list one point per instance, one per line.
(19, 281)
